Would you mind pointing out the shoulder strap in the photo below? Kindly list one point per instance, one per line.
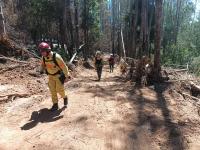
(55, 61)
(44, 61)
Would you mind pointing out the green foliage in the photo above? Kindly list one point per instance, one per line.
(187, 45)
(176, 55)
(91, 20)
(42, 15)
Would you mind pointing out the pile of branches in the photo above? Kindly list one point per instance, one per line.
(192, 91)
(141, 71)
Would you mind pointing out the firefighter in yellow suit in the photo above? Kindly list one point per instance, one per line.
(57, 72)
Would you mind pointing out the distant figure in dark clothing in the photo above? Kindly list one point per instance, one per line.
(98, 64)
(111, 62)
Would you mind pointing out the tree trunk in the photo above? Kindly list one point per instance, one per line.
(178, 8)
(118, 29)
(70, 29)
(85, 28)
(141, 40)
(149, 29)
(113, 27)
(143, 46)
(146, 29)
(134, 22)
(76, 16)
(124, 50)
(158, 27)
(62, 23)
(102, 18)
(2, 24)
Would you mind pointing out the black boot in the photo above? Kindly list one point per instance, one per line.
(65, 101)
(54, 107)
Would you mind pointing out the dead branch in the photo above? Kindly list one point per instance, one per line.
(11, 97)
(32, 53)
(34, 73)
(187, 95)
(176, 80)
(12, 67)
(13, 60)
(15, 95)
(180, 70)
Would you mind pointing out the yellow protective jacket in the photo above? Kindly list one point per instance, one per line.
(51, 67)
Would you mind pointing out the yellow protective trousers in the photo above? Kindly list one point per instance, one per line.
(55, 86)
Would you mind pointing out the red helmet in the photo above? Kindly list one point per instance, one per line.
(44, 46)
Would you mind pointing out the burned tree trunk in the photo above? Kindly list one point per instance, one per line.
(70, 28)
(118, 5)
(113, 27)
(143, 44)
(158, 15)
(62, 23)
(85, 29)
(133, 22)
(76, 16)
(2, 24)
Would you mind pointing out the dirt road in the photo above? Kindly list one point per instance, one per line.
(108, 115)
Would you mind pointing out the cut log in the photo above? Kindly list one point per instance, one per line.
(195, 89)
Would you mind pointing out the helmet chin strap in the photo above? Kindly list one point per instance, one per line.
(48, 53)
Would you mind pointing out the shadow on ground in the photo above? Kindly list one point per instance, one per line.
(42, 116)
(174, 135)
(174, 138)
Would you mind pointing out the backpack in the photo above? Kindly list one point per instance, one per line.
(98, 63)
(55, 62)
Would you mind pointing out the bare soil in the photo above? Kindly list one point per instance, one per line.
(112, 114)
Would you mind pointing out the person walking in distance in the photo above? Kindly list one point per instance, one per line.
(111, 61)
(98, 64)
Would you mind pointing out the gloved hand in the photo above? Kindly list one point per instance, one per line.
(41, 72)
(68, 79)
